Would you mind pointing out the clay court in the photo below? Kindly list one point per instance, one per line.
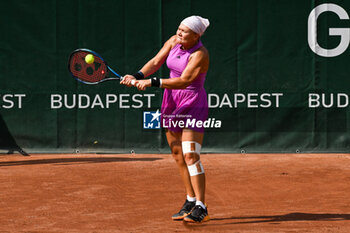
(139, 193)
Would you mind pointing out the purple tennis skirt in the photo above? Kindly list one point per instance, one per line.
(184, 109)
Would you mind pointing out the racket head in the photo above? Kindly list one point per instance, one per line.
(93, 73)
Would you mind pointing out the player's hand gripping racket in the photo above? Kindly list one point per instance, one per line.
(92, 71)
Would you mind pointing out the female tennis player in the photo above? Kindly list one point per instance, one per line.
(184, 100)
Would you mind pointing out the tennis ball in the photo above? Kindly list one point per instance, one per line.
(89, 59)
(95, 142)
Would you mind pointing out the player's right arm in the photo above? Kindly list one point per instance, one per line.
(155, 63)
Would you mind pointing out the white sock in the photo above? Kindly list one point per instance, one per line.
(201, 204)
(191, 199)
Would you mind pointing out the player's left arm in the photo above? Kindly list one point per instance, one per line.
(198, 63)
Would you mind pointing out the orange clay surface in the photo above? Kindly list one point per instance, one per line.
(139, 193)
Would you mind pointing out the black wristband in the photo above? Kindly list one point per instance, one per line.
(155, 82)
(139, 75)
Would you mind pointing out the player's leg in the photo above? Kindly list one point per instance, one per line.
(174, 141)
(191, 146)
(194, 139)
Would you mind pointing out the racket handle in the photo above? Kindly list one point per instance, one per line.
(132, 81)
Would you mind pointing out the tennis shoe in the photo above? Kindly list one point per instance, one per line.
(198, 215)
(185, 210)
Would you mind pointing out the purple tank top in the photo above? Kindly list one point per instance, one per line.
(178, 60)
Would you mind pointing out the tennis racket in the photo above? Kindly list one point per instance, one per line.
(96, 72)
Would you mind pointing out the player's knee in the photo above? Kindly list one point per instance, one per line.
(191, 151)
(191, 158)
(176, 152)
(178, 158)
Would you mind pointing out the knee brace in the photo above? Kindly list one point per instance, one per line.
(193, 147)
(196, 168)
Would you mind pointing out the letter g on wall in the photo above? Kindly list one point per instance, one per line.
(344, 33)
